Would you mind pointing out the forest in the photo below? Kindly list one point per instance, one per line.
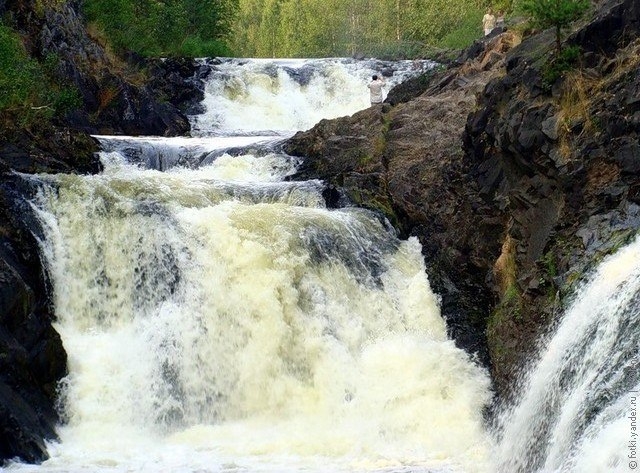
(287, 28)
(190, 28)
(381, 28)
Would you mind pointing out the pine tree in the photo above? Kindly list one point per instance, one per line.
(555, 13)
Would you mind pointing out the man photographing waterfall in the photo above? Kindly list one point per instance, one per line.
(375, 89)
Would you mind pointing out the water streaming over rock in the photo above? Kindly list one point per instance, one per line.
(219, 318)
(577, 410)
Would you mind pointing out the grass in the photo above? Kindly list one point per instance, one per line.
(505, 273)
(573, 112)
(581, 89)
(466, 32)
(29, 92)
(504, 269)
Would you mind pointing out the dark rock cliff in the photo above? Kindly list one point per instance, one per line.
(561, 162)
(515, 186)
(32, 359)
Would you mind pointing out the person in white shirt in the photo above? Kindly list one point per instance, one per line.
(375, 90)
(488, 22)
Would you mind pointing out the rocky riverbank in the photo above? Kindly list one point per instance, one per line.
(514, 185)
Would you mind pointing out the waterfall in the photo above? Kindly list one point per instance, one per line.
(218, 317)
(261, 96)
(578, 403)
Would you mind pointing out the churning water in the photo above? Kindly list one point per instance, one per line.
(219, 318)
(281, 96)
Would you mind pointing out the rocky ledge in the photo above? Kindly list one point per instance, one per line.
(407, 161)
(514, 186)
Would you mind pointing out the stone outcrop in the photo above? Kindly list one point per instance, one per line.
(407, 161)
(560, 160)
(32, 359)
(514, 183)
(113, 102)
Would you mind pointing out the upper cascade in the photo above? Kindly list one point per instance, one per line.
(281, 96)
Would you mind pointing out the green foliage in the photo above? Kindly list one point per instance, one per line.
(465, 32)
(558, 65)
(17, 74)
(28, 90)
(196, 47)
(502, 6)
(405, 50)
(192, 28)
(556, 14)
(65, 100)
(308, 28)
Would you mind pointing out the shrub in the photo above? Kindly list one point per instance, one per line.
(557, 66)
(28, 90)
(196, 47)
(18, 75)
(557, 14)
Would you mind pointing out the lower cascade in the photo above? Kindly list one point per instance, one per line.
(218, 317)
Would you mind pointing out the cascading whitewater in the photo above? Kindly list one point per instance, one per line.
(197, 315)
(219, 318)
(575, 412)
(282, 96)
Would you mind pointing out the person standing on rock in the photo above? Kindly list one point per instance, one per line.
(488, 22)
(375, 89)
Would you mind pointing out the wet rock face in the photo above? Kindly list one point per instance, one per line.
(32, 358)
(180, 80)
(111, 102)
(47, 148)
